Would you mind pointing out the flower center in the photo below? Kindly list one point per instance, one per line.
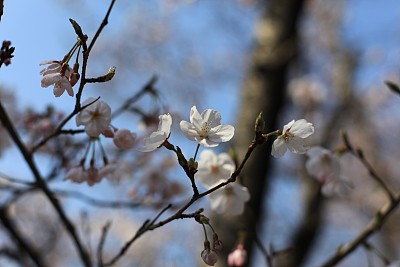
(205, 128)
(228, 191)
(287, 135)
(214, 169)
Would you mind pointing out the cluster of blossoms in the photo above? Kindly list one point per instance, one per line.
(206, 129)
(96, 118)
(60, 74)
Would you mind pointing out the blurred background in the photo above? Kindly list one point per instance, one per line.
(325, 61)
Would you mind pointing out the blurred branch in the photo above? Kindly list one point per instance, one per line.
(104, 232)
(97, 202)
(373, 226)
(147, 88)
(23, 244)
(358, 153)
(40, 183)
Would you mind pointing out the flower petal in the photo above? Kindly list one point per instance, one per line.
(297, 145)
(302, 128)
(221, 133)
(278, 148)
(155, 140)
(211, 116)
(196, 119)
(50, 79)
(188, 130)
(165, 123)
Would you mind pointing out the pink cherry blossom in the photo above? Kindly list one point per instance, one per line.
(96, 118)
(238, 257)
(57, 73)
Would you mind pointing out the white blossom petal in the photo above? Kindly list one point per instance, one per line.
(302, 128)
(221, 133)
(157, 138)
(297, 145)
(278, 147)
(206, 129)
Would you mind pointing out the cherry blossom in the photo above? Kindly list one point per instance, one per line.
(206, 129)
(96, 118)
(324, 166)
(79, 175)
(76, 174)
(124, 139)
(213, 167)
(57, 73)
(117, 171)
(157, 138)
(292, 138)
(238, 257)
(229, 199)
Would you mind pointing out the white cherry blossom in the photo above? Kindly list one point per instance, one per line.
(124, 139)
(157, 138)
(324, 166)
(206, 129)
(96, 118)
(292, 138)
(58, 74)
(213, 167)
(229, 199)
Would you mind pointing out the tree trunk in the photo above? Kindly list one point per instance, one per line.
(263, 90)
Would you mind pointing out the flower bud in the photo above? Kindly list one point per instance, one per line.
(260, 124)
(209, 256)
(217, 243)
(237, 257)
(124, 139)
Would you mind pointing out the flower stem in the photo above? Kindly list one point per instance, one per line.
(197, 150)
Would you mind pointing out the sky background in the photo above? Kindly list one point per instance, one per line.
(40, 30)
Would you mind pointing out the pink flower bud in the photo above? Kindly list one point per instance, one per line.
(217, 243)
(124, 139)
(237, 257)
(209, 257)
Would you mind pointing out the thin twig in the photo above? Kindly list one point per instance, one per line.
(59, 130)
(104, 232)
(152, 225)
(263, 249)
(358, 153)
(373, 226)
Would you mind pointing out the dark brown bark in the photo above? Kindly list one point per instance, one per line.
(263, 90)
